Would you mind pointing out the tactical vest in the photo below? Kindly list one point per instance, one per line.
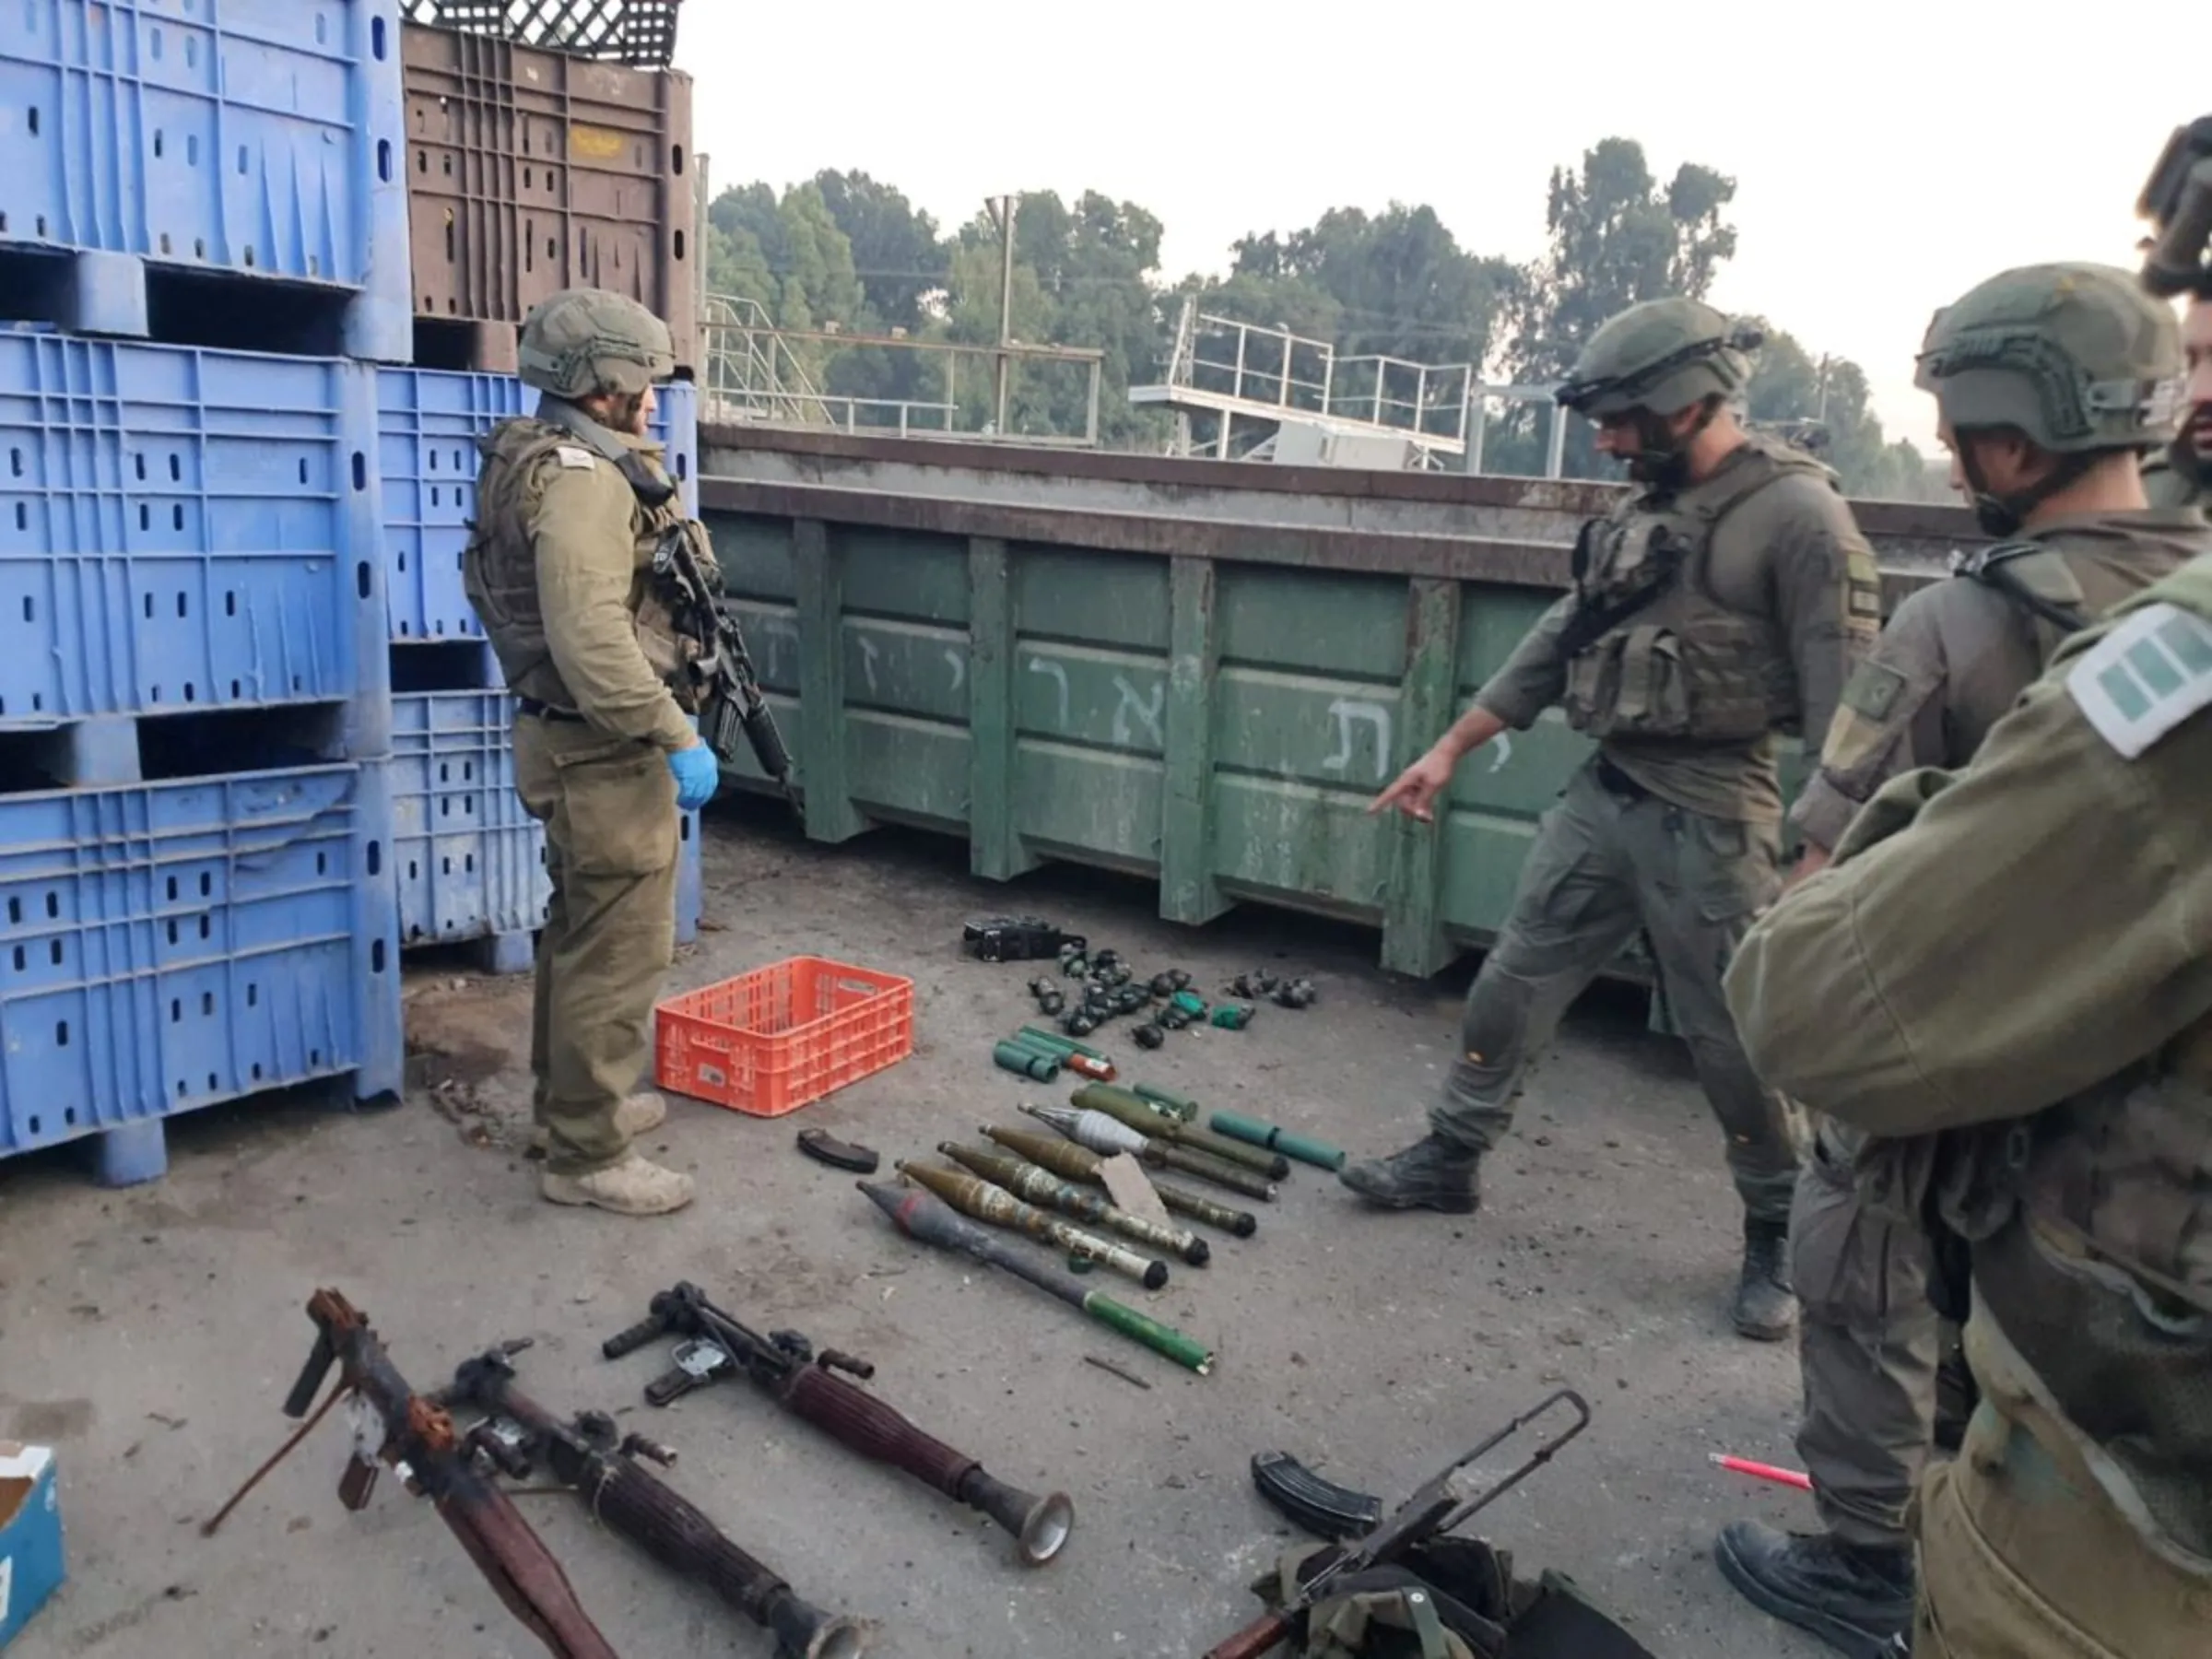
(499, 567)
(2093, 1256)
(1652, 652)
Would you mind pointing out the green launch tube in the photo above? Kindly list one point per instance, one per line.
(921, 1214)
(1288, 1142)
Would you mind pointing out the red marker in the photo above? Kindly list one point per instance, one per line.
(1759, 1471)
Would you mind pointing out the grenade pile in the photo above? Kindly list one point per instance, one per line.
(1094, 987)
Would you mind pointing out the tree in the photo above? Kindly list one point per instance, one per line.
(897, 251)
(1616, 238)
(1787, 385)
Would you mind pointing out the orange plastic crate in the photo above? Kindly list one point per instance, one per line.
(768, 1042)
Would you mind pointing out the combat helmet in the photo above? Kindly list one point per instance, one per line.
(1662, 356)
(581, 342)
(2077, 356)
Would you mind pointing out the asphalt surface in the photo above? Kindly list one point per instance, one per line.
(149, 1334)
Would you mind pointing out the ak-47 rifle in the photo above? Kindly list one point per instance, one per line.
(785, 1367)
(587, 1456)
(393, 1423)
(731, 701)
(1433, 1510)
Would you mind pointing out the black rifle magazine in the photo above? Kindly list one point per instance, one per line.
(820, 1146)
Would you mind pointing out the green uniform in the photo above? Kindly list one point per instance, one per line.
(560, 572)
(1952, 662)
(2021, 957)
(1674, 827)
(2176, 478)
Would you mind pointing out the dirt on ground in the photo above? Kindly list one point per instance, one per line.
(149, 1334)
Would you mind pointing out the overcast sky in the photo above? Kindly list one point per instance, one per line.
(1886, 154)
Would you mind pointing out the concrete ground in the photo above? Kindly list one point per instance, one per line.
(150, 1335)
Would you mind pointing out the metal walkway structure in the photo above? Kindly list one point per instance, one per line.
(1272, 395)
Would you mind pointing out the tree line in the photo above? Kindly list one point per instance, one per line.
(843, 252)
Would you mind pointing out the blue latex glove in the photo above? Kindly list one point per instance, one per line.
(698, 776)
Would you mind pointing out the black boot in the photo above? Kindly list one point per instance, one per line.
(1433, 1173)
(1855, 1599)
(1766, 1302)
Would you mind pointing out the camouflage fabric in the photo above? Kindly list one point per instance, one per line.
(2077, 356)
(583, 341)
(1664, 356)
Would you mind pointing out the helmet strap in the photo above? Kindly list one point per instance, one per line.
(1662, 458)
(2001, 515)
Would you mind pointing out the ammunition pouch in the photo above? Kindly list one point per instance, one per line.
(1447, 1598)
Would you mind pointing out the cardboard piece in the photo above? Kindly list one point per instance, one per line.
(1132, 1189)
(30, 1534)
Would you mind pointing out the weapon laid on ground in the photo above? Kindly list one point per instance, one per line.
(1435, 1509)
(1103, 1134)
(393, 1423)
(921, 1214)
(1288, 1142)
(1080, 1163)
(983, 1201)
(1040, 1187)
(1140, 1114)
(732, 700)
(585, 1456)
(784, 1365)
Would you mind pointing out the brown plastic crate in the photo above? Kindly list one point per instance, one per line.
(641, 32)
(529, 172)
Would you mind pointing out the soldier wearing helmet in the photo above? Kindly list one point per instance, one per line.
(2051, 382)
(572, 503)
(1722, 602)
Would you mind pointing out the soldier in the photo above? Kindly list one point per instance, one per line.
(2177, 478)
(2051, 382)
(570, 504)
(2019, 957)
(1724, 601)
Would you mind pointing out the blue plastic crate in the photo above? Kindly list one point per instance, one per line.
(263, 137)
(185, 530)
(428, 424)
(165, 947)
(471, 861)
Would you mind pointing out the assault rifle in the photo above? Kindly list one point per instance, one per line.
(586, 1455)
(393, 1423)
(1435, 1508)
(731, 701)
(785, 1366)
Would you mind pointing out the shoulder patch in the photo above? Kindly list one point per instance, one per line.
(1873, 689)
(573, 456)
(2149, 674)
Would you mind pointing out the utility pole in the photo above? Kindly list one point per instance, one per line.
(1822, 415)
(1002, 210)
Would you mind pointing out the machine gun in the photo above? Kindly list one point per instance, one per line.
(586, 1455)
(731, 701)
(393, 1423)
(785, 1366)
(1435, 1508)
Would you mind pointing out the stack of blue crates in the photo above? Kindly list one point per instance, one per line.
(196, 895)
(223, 527)
(472, 863)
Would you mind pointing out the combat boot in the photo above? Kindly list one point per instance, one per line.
(1433, 1173)
(1766, 1302)
(1856, 1598)
(640, 1113)
(634, 1187)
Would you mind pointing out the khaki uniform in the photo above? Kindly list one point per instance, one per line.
(2021, 957)
(1675, 827)
(1951, 664)
(559, 571)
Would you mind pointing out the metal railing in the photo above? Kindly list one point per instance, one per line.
(754, 370)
